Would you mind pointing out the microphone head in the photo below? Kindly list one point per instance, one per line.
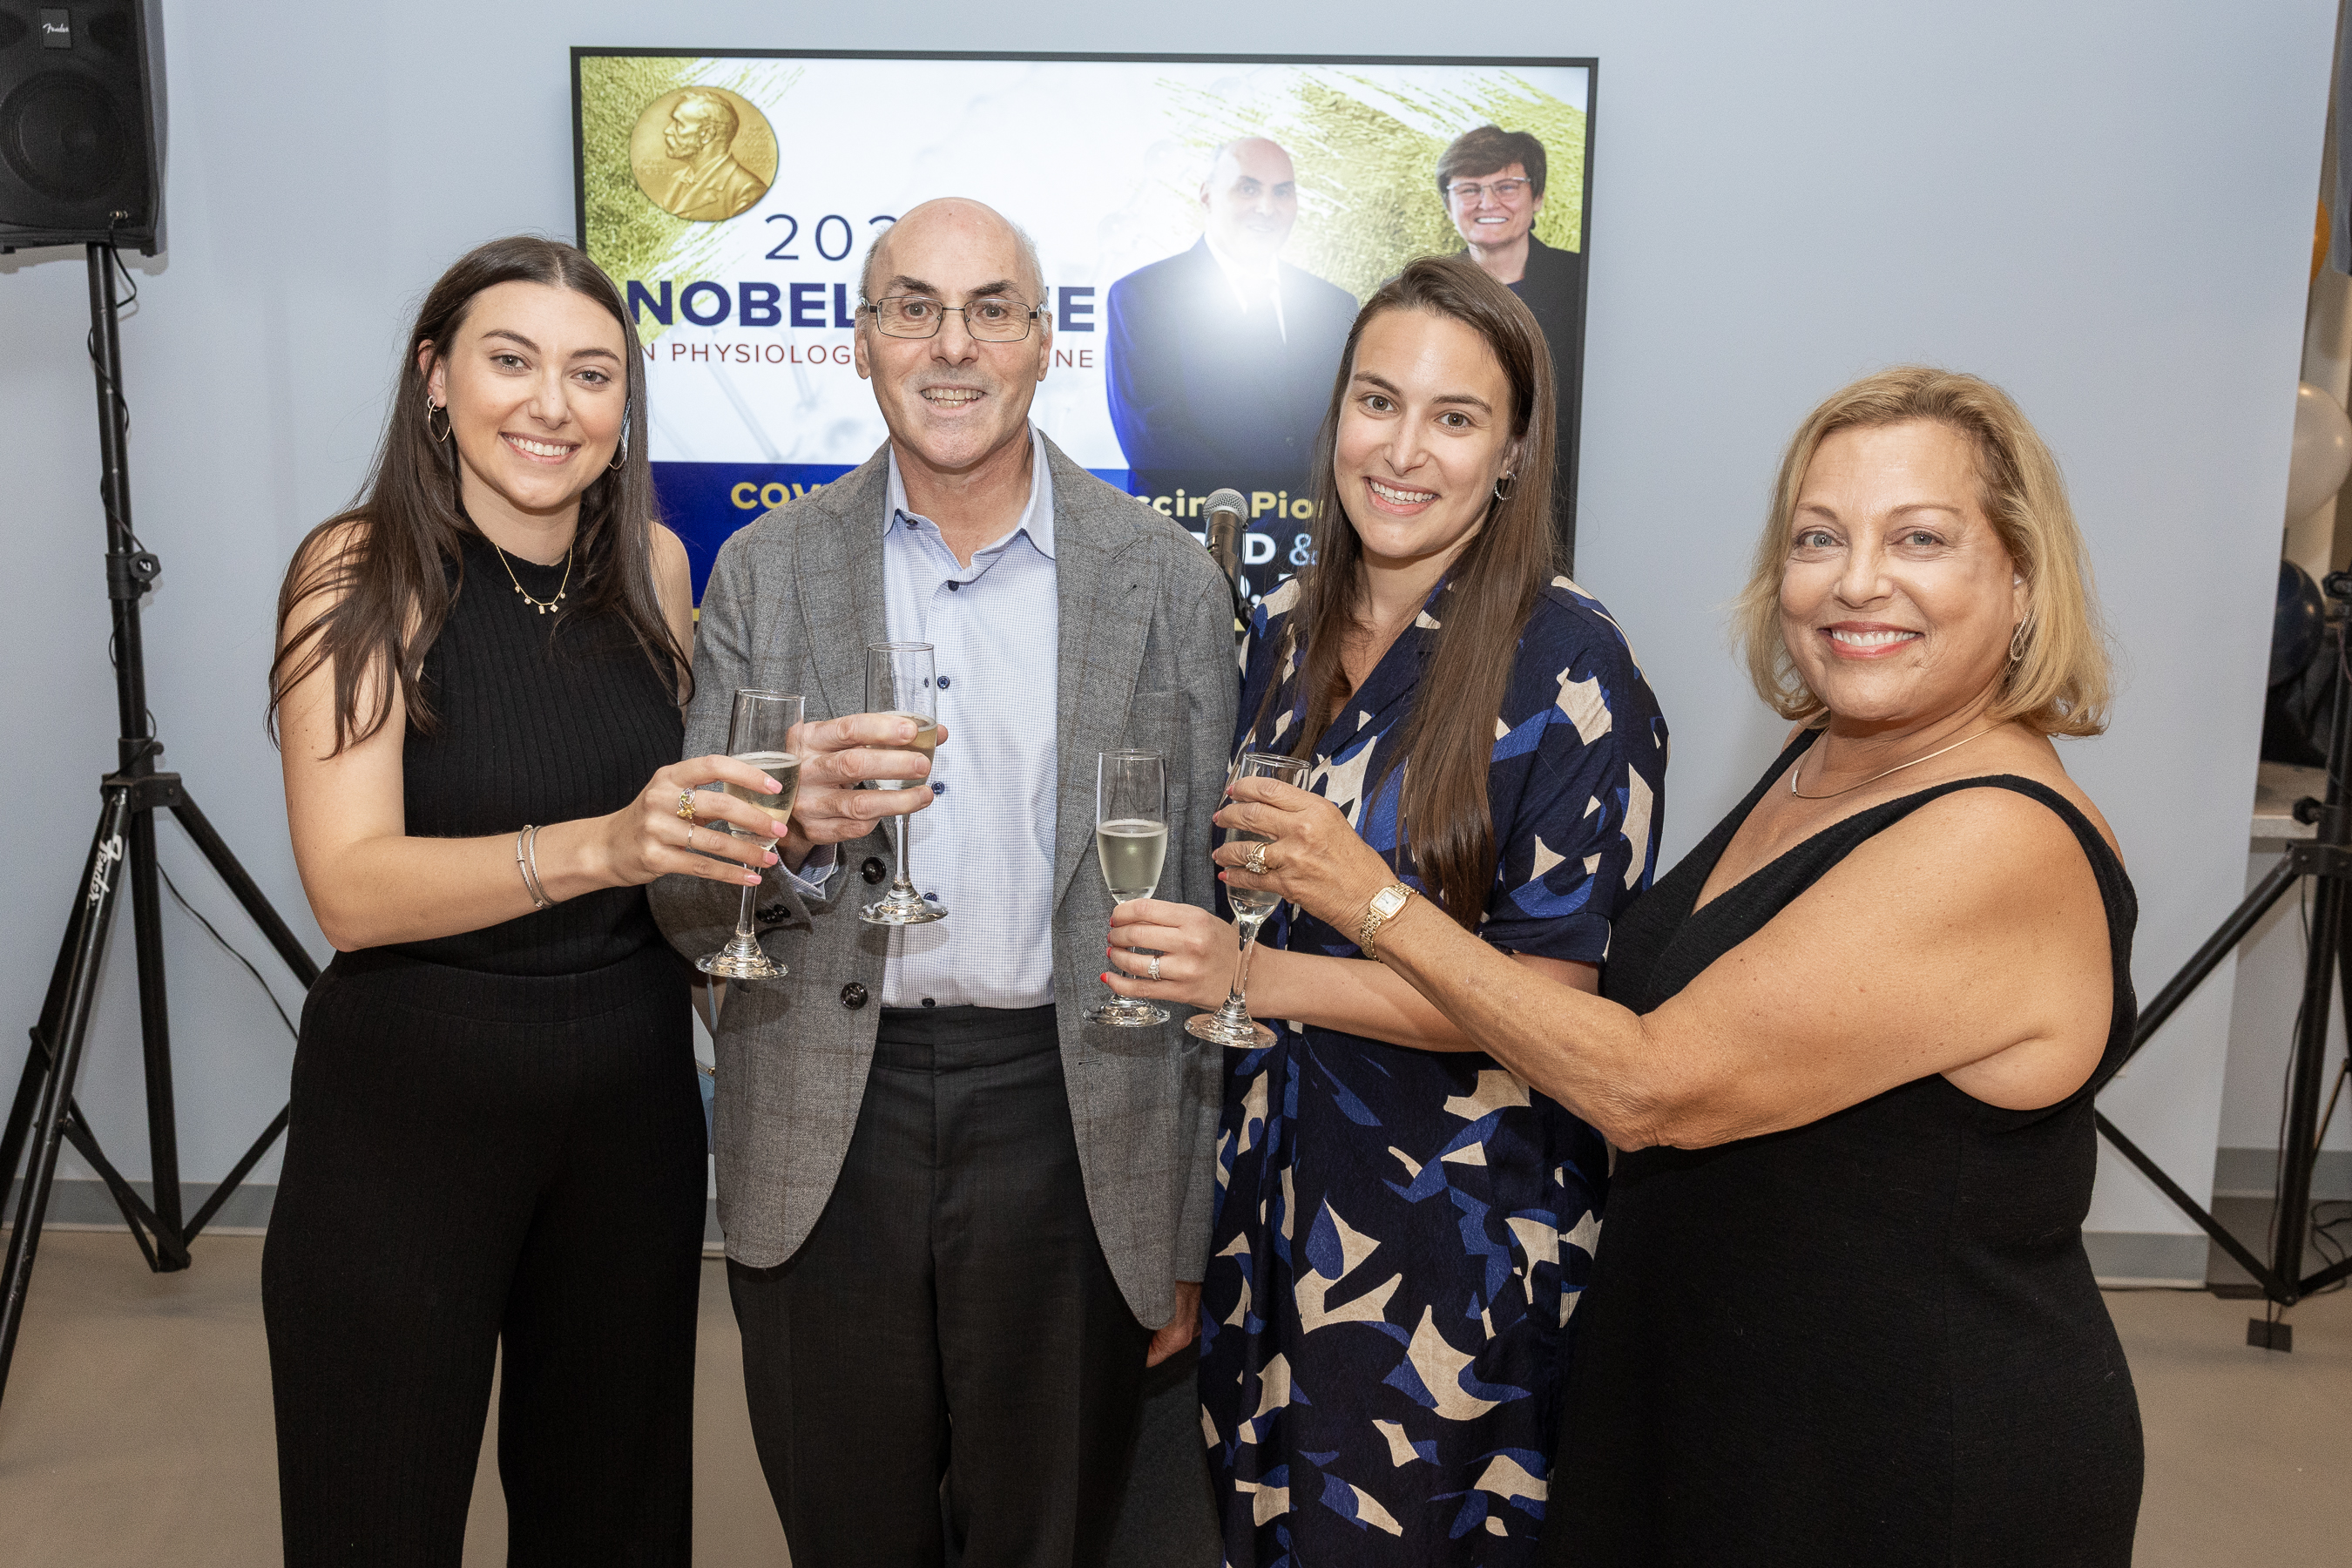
(1226, 500)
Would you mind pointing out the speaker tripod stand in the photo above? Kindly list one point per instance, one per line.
(45, 1113)
(2327, 859)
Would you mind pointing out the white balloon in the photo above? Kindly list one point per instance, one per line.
(2323, 451)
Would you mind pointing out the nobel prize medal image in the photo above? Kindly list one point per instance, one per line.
(702, 154)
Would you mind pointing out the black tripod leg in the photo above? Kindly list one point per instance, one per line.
(2181, 1200)
(45, 1033)
(20, 1111)
(100, 894)
(137, 1217)
(2219, 946)
(237, 1174)
(249, 897)
(256, 906)
(155, 1032)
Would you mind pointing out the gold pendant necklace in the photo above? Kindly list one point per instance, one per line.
(1873, 778)
(543, 606)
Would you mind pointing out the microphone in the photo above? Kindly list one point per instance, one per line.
(1226, 510)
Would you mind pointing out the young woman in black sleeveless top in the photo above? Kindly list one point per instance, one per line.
(497, 1139)
(1840, 1311)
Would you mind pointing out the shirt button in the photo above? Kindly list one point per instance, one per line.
(939, 789)
(954, 587)
(945, 683)
(853, 995)
(928, 1002)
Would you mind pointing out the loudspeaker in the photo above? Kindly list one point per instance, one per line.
(81, 125)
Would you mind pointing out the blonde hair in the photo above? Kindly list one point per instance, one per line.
(2058, 684)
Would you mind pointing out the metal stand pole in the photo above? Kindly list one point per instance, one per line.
(44, 1113)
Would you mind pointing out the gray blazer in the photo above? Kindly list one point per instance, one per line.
(1146, 659)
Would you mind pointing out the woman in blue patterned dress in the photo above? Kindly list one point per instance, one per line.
(1403, 1227)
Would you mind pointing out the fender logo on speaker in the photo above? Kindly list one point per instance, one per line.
(57, 29)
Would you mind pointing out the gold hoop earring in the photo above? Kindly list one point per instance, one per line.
(621, 452)
(2017, 643)
(431, 408)
(1507, 487)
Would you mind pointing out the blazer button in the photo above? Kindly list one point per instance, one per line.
(853, 995)
(872, 870)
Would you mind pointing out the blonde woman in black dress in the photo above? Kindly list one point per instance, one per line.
(1842, 1311)
(497, 1138)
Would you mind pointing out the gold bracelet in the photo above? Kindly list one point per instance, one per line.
(1385, 906)
(526, 862)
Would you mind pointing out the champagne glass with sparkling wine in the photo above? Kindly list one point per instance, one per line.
(900, 681)
(1230, 1025)
(1130, 846)
(760, 733)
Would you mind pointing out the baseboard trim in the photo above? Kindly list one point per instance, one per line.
(2253, 1174)
(84, 1203)
(2117, 1257)
(2123, 1259)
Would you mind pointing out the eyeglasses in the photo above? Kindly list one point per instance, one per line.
(990, 320)
(1502, 190)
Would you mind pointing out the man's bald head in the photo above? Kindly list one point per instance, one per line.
(955, 404)
(974, 225)
(1251, 198)
(1258, 156)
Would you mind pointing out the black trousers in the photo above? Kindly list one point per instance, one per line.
(951, 1316)
(475, 1159)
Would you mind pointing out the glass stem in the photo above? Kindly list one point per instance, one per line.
(903, 882)
(1236, 1008)
(744, 940)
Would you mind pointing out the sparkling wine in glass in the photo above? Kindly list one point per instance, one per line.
(1132, 847)
(1230, 1025)
(760, 733)
(900, 682)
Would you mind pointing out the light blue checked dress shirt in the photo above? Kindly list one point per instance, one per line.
(984, 847)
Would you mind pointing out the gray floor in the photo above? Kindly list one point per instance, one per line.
(136, 1429)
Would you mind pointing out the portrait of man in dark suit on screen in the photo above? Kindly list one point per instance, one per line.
(1221, 358)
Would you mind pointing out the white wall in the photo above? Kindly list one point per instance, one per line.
(2106, 208)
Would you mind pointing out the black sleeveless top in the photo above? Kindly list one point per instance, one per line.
(1873, 1339)
(539, 719)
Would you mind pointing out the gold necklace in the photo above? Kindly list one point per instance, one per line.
(1873, 778)
(543, 606)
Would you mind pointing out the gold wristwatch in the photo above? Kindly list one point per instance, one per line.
(1386, 905)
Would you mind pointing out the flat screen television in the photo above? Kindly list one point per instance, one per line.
(1208, 227)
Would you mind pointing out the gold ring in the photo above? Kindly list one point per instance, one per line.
(686, 803)
(689, 835)
(1255, 864)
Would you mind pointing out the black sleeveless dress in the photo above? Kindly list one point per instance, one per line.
(497, 1142)
(1875, 1339)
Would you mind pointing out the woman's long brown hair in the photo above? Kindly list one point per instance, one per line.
(1445, 822)
(382, 559)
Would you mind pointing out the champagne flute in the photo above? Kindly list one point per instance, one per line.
(900, 681)
(1230, 1025)
(1131, 847)
(759, 731)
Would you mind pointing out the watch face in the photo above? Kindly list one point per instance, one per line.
(1387, 901)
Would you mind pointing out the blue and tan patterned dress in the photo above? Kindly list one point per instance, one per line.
(1401, 1235)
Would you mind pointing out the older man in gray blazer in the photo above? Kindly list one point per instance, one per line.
(961, 1218)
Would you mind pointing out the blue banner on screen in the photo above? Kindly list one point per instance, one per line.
(1208, 229)
(705, 502)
